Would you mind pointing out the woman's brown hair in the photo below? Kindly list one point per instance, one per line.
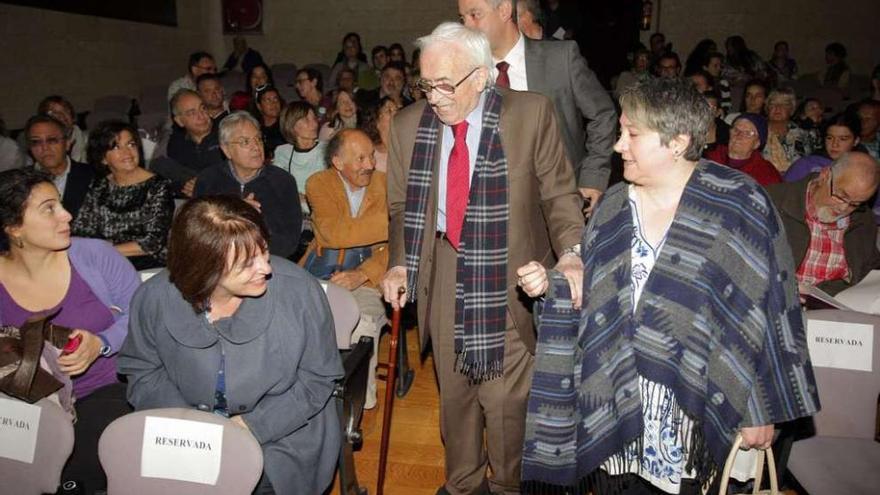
(203, 234)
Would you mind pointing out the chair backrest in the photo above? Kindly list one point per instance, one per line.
(284, 74)
(120, 450)
(154, 99)
(345, 312)
(112, 103)
(96, 117)
(848, 397)
(54, 443)
(233, 81)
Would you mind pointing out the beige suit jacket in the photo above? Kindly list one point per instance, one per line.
(545, 207)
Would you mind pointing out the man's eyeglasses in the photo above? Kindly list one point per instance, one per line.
(246, 142)
(736, 132)
(839, 199)
(192, 112)
(52, 141)
(444, 89)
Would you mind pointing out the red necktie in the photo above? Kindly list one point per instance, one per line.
(458, 176)
(503, 80)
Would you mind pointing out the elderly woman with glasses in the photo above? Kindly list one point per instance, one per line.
(270, 190)
(748, 134)
(786, 141)
(231, 330)
(688, 283)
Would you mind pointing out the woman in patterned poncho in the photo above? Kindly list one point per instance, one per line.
(690, 330)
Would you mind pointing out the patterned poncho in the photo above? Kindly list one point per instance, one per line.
(718, 323)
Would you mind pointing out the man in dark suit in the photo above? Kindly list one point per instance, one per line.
(481, 177)
(49, 142)
(558, 71)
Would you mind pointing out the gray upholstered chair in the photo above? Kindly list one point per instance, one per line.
(53, 447)
(120, 450)
(842, 457)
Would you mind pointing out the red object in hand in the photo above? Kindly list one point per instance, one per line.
(72, 345)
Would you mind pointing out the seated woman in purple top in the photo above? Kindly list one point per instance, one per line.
(89, 284)
(841, 134)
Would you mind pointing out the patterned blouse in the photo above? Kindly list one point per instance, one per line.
(796, 143)
(140, 212)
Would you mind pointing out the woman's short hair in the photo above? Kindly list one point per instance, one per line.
(232, 121)
(847, 119)
(15, 188)
(784, 94)
(314, 75)
(671, 108)
(103, 138)
(291, 114)
(204, 232)
(473, 44)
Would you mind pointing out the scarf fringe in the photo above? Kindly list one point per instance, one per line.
(478, 372)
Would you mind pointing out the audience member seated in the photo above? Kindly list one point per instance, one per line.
(702, 80)
(809, 113)
(658, 46)
(268, 105)
(747, 137)
(787, 141)
(668, 66)
(754, 100)
(396, 53)
(304, 155)
(48, 142)
(11, 155)
(61, 108)
(376, 123)
(869, 113)
(129, 206)
(89, 284)
(719, 131)
(268, 189)
(713, 65)
(391, 84)
(638, 72)
(310, 87)
(741, 63)
(242, 58)
(342, 116)
(223, 330)
(346, 80)
(697, 57)
(350, 221)
(213, 96)
(831, 231)
(836, 74)
(193, 149)
(530, 19)
(199, 63)
(351, 56)
(379, 57)
(783, 68)
(259, 76)
(841, 135)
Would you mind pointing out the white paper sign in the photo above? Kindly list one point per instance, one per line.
(845, 346)
(178, 449)
(19, 425)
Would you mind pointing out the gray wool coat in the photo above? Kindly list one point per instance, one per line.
(281, 362)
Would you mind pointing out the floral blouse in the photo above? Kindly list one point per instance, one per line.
(140, 212)
(796, 143)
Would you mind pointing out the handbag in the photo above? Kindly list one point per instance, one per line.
(21, 375)
(759, 470)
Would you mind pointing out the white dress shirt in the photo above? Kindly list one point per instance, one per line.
(475, 127)
(516, 58)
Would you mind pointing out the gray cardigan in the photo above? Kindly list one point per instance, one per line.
(281, 362)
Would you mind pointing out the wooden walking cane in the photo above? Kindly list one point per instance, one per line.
(389, 394)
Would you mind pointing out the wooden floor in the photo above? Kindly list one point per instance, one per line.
(415, 455)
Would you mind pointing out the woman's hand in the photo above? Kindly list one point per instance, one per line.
(757, 437)
(78, 361)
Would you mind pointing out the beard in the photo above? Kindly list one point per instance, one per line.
(827, 214)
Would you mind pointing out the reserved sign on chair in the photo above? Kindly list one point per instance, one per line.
(19, 426)
(182, 450)
(845, 346)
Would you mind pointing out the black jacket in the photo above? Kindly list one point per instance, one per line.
(276, 191)
(78, 182)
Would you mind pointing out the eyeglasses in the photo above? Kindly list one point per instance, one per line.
(247, 142)
(840, 199)
(444, 89)
(735, 132)
(192, 112)
(52, 141)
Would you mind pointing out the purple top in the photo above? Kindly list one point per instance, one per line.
(805, 166)
(80, 308)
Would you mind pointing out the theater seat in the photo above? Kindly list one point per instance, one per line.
(842, 456)
(53, 446)
(120, 451)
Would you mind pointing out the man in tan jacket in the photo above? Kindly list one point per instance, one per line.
(350, 221)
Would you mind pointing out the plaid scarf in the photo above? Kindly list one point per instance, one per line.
(481, 268)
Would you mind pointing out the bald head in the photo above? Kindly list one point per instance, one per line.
(859, 169)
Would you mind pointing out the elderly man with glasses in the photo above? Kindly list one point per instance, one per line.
(829, 226)
(480, 196)
(271, 190)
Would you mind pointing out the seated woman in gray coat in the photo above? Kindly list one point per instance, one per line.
(224, 330)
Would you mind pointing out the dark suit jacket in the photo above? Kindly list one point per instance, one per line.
(545, 207)
(858, 241)
(557, 70)
(78, 182)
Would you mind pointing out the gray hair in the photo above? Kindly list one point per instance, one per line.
(180, 94)
(473, 44)
(783, 93)
(533, 7)
(233, 121)
(671, 108)
(844, 162)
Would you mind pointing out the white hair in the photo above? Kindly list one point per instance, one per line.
(232, 121)
(472, 43)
